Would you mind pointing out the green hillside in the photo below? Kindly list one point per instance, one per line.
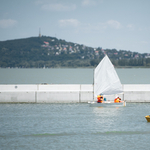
(50, 52)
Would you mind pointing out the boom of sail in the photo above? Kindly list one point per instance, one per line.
(106, 80)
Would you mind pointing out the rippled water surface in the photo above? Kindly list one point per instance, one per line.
(74, 127)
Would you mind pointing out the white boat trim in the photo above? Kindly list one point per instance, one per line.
(107, 104)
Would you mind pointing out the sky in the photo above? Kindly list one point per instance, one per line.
(119, 24)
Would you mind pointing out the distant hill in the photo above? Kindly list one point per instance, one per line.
(39, 52)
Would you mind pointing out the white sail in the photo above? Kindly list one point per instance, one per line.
(106, 80)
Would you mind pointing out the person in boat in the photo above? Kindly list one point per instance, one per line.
(117, 100)
(100, 98)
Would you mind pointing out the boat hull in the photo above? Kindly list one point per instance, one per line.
(147, 118)
(107, 104)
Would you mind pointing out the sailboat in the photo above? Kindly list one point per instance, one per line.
(106, 82)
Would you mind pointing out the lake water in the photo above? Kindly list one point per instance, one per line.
(68, 76)
(72, 126)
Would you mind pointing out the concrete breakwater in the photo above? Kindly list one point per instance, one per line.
(67, 93)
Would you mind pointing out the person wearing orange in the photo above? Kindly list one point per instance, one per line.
(99, 98)
(117, 100)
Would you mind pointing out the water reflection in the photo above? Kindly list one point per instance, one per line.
(73, 126)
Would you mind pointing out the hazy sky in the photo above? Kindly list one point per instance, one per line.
(120, 24)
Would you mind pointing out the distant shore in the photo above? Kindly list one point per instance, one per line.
(73, 67)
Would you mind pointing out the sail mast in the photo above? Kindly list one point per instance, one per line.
(93, 84)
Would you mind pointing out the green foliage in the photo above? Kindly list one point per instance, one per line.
(94, 62)
(45, 51)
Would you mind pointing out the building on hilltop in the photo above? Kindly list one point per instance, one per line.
(39, 32)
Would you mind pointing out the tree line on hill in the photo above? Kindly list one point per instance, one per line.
(50, 52)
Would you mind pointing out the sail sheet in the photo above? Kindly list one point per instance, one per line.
(106, 80)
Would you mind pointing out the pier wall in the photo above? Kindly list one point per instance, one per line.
(67, 93)
(137, 92)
